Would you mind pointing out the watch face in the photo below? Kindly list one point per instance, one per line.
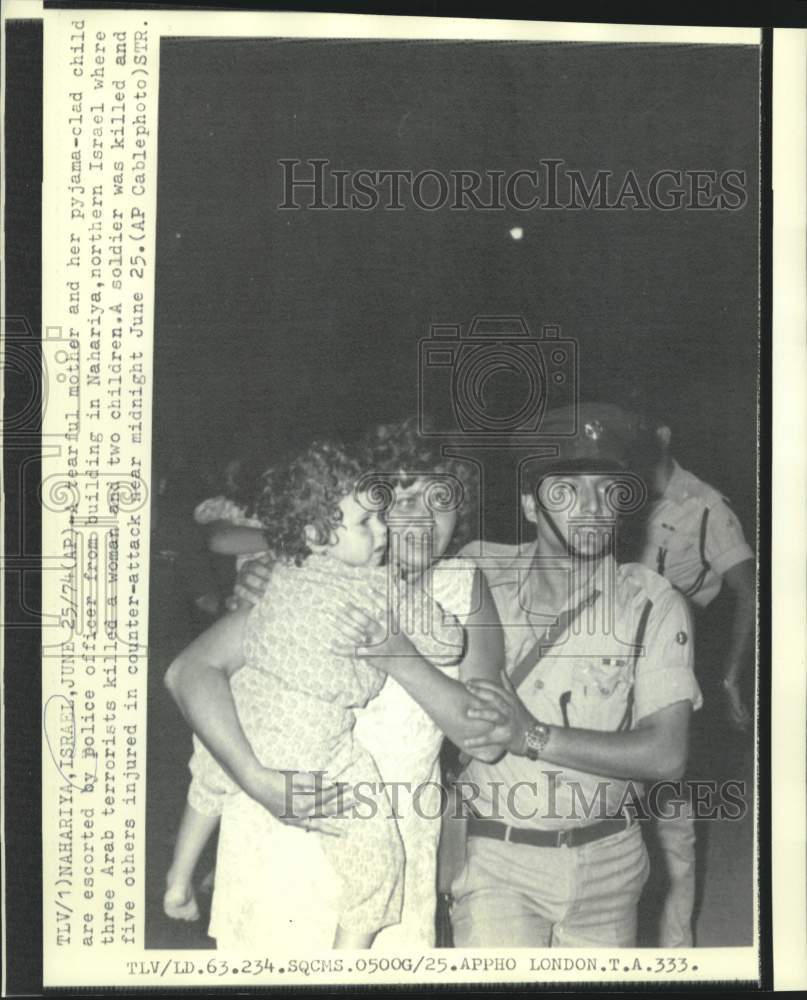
(536, 741)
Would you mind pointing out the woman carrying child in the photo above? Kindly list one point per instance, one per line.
(275, 886)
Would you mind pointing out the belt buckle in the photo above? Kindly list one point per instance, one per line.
(564, 838)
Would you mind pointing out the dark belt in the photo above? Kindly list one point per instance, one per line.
(576, 836)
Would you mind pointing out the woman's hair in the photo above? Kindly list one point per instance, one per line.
(303, 492)
(400, 454)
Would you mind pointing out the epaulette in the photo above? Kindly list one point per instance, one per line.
(648, 583)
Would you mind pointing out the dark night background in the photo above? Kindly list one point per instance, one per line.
(276, 325)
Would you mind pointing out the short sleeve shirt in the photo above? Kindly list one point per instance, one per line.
(594, 676)
(693, 537)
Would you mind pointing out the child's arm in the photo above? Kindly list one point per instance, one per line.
(447, 701)
(227, 539)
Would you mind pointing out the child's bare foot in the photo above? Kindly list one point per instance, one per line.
(351, 939)
(179, 901)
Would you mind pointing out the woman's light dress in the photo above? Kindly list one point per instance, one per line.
(275, 888)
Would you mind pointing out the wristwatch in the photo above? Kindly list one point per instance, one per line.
(537, 739)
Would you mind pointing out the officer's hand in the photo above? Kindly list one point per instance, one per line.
(512, 732)
(739, 716)
(252, 579)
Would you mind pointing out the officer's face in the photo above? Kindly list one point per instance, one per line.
(576, 512)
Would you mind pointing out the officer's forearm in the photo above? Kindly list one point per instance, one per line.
(657, 749)
(742, 632)
(742, 582)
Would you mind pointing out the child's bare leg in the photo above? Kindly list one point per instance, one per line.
(352, 939)
(209, 880)
(179, 901)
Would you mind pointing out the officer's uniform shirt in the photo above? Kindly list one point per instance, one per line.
(693, 537)
(593, 677)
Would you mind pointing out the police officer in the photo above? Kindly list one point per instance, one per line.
(693, 538)
(598, 691)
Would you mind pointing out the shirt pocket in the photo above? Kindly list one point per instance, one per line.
(600, 696)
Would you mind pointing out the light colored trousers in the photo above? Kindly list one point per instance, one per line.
(517, 895)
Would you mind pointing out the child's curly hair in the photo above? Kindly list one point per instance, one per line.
(399, 454)
(306, 491)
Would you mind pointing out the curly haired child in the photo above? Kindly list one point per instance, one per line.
(295, 697)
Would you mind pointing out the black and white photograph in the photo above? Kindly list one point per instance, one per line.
(454, 498)
(403, 497)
